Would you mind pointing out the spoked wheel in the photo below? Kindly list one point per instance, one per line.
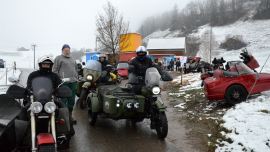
(47, 148)
(161, 125)
(235, 94)
(82, 99)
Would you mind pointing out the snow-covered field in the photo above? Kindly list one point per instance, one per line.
(255, 33)
(249, 126)
(24, 59)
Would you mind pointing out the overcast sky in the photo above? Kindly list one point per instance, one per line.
(51, 23)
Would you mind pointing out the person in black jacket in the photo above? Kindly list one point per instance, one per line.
(141, 62)
(45, 69)
(103, 61)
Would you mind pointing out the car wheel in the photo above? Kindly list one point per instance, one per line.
(235, 94)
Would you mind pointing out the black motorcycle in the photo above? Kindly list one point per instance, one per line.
(48, 118)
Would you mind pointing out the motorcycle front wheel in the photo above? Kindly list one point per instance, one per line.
(161, 125)
(92, 116)
(82, 99)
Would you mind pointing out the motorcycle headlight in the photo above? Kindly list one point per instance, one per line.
(36, 107)
(50, 107)
(89, 77)
(155, 90)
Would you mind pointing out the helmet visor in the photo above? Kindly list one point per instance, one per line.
(141, 53)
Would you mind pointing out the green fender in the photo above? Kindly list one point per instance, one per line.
(95, 103)
(160, 105)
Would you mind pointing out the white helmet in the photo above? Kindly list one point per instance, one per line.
(45, 59)
(141, 49)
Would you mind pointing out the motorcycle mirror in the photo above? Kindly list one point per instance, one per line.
(13, 79)
(83, 63)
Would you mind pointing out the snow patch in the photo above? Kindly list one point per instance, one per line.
(249, 123)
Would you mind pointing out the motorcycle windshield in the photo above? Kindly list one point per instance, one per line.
(122, 66)
(152, 77)
(42, 89)
(93, 65)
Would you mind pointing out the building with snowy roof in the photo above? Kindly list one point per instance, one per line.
(167, 47)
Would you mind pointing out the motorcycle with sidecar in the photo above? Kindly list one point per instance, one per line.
(139, 100)
(91, 76)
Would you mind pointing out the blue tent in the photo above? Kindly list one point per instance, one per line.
(92, 56)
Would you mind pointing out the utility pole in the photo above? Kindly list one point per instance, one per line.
(96, 44)
(34, 48)
(210, 45)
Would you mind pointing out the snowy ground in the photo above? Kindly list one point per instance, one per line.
(249, 126)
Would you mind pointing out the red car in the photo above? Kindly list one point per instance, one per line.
(122, 69)
(235, 84)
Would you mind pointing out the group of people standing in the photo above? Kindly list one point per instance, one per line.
(173, 65)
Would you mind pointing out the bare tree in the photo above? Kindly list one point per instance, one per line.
(110, 25)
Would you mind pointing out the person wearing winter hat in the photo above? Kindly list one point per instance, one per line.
(65, 66)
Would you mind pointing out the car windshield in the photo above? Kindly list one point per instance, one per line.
(243, 69)
(122, 66)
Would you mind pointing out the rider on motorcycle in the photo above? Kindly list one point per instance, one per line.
(137, 69)
(103, 61)
(45, 69)
(141, 62)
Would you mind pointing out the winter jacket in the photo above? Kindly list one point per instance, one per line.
(140, 66)
(103, 64)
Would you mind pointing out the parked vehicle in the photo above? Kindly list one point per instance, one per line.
(122, 69)
(247, 58)
(48, 117)
(235, 84)
(192, 65)
(114, 102)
